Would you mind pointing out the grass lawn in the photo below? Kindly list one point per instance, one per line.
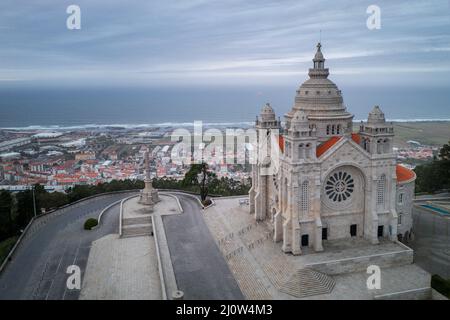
(5, 247)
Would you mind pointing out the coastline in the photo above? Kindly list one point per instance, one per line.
(131, 126)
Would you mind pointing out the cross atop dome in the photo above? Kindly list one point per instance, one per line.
(318, 70)
(319, 60)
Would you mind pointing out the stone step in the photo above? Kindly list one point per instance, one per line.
(136, 235)
(137, 220)
(307, 282)
(137, 229)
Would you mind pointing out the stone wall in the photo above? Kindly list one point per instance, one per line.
(359, 264)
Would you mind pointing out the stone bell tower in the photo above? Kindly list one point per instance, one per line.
(267, 128)
(377, 138)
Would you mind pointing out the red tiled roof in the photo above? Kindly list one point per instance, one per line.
(281, 142)
(326, 145)
(404, 174)
(356, 137)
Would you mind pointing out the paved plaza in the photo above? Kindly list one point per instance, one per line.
(263, 271)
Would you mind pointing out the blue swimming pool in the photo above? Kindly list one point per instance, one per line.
(439, 210)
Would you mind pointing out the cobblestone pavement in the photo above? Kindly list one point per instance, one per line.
(262, 269)
(122, 269)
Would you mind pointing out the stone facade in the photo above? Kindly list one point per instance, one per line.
(328, 182)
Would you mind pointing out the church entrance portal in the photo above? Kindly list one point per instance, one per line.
(305, 240)
(353, 229)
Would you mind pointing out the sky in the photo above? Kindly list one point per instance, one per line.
(222, 43)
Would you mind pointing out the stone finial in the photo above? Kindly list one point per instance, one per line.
(376, 116)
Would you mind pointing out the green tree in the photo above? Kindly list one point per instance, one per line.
(7, 228)
(201, 177)
(434, 176)
(25, 208)
(444, 154)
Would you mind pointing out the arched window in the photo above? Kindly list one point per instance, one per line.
(301, 151)
(379, 146)
(400, 198)
(386, 145)
(304, 197)
(338, 129)
(328, 130)
(333, 128)
(308, 150)
(381, 190)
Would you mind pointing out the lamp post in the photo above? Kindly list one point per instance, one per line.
(33, 187)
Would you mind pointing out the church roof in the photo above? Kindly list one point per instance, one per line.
(281, 142)
(326, 145)
(404, 174)
(332, 141)
(356, 137)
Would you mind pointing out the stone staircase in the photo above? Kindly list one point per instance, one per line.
(137, 220)
(137, 226)
(307, 282)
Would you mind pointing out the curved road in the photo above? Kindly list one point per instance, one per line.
(200, 269)
(38, 268)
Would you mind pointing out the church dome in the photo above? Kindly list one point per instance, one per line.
(319, 97)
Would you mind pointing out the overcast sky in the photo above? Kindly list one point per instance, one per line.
(224, 42)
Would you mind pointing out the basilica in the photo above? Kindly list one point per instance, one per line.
(330, 181)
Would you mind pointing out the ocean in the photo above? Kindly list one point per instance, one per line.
(51, 108)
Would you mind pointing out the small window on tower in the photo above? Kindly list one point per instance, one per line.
(381, 190)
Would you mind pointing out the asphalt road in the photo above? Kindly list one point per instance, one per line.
(200, 270)
(38, 268)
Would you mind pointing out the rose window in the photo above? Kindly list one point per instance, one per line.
(339, 186)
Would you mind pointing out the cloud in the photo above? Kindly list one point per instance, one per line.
(226, 40)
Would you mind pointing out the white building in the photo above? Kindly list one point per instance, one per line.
(330, 183)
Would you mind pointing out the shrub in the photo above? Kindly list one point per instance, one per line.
(90, 223)
(206, 202)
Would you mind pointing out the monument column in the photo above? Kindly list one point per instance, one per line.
(149, 196)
